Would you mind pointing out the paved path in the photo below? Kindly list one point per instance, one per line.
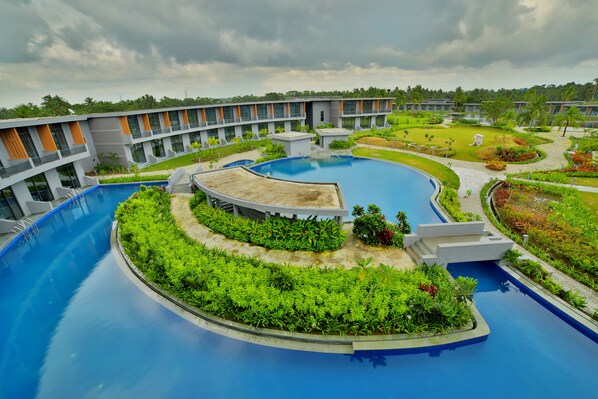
(347, 256)
(474, 176)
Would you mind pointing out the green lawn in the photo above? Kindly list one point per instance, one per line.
(591, 200)
(406, 120)
(206, 155)
(445, 175)
(584, 181)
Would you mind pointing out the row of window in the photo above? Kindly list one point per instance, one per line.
(176, 142)
(210, 115)
(39, 189)
(57, 135)
(365, 122)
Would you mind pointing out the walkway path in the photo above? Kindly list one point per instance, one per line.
(474, 176)
(347, 256)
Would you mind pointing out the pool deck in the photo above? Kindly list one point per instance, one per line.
(240, 183)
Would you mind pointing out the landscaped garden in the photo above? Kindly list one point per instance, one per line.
(364, 300)
(456, 142)
(560, 228)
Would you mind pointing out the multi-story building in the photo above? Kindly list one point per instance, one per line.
(45, 159)
(41, 160)
(149, 136)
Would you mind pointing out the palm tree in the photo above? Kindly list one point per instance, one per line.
(571, 117)
(509, 118)
(535, 112)
(595, 88)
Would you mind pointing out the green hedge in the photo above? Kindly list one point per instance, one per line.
(274, 233)
(362, 301)
(134, 179)
(449, 199)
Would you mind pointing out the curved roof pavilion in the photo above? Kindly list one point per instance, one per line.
(251, 194)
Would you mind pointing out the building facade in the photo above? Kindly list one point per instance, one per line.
(45, 159)
(41, 160)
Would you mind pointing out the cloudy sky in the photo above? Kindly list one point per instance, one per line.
(111, 49)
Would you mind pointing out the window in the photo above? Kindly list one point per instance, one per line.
(229, 133)
(246, 112)
(321, 116)
(213, 134)
(38, 187)
(68, 176)
(365, 122)
(210, 115)
(134, 126)
(175, 123)
(9, 208)
(58, 136)
(177, 144)
(27, 142)
(295, 125)
(279, 110)
(193, 119)
(380, 121)
(349, 107)
(138, 153)
(195, 137)
(154, 121)
(278, 126)
(349, 123)
(158, 148)
(295, 109)
(228, 114)
(367, 106)
(262, 111)
(262, 126)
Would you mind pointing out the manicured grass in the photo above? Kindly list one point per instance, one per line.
(206, 155)
(406, 120)
(584, 181)
(134, 179)
(445, 175)
(591, 200)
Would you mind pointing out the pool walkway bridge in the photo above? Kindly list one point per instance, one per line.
(441, 243)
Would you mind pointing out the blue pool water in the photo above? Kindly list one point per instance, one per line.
(240, 162)
(73, 326)
(364, 181)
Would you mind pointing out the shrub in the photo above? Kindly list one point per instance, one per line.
(539, 129)
(449, 199)
(271, 152)
(275, 233)
(372, 228)
(134, 179)
(341, 144)
(496, 165)
(362, 301)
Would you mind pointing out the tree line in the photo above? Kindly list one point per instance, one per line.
(53, 105)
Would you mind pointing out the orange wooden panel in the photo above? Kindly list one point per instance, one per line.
(221, 110)
(288, 109)
(255, 110)
(166, 119)
(124, 125)
(360, 105)
(185, 117)
(146, 124)
(14, 145)
(76, 132)
(272, 109)
(238, 112)
(342, 105)
(377, 105)
(203, 115)
(45, 137)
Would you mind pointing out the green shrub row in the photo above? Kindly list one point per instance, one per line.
(274, 233)
(365, 300)
(341, 144)
(449, 199)
(271, 152)
(536, 272)
(134, 179)
(558, 264)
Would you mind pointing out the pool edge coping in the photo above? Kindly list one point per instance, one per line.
(478, 332)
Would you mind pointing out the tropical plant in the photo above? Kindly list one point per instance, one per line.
(494, 109)
(403, 225)
(571, 117)
(248, 135)
(535, 112)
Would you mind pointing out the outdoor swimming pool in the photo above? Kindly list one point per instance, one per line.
(72, 325)
(240, 162)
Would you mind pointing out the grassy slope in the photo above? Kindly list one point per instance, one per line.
(439, 171)
(591, 200)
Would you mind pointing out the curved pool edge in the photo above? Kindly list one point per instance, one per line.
(478, 332)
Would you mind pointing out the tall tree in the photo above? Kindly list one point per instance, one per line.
(417, 95)
(55, 105)
(594, 89)
(535, 112)
(494, 109)
(571, 117)
(459, 97)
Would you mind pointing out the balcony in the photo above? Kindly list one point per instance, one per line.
(78, 149)
(50, 157)
(365, 112)
(18, 167)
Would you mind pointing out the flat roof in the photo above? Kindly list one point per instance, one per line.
(291, 136)
(244, 187)
(336, 131)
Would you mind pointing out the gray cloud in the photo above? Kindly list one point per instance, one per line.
(115, 41)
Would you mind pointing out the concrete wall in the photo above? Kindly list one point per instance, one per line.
(317, 108)
(107, 137)
(295, 148)
(326, 140)
(335, 113)
(449, 229)
(478, 251)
